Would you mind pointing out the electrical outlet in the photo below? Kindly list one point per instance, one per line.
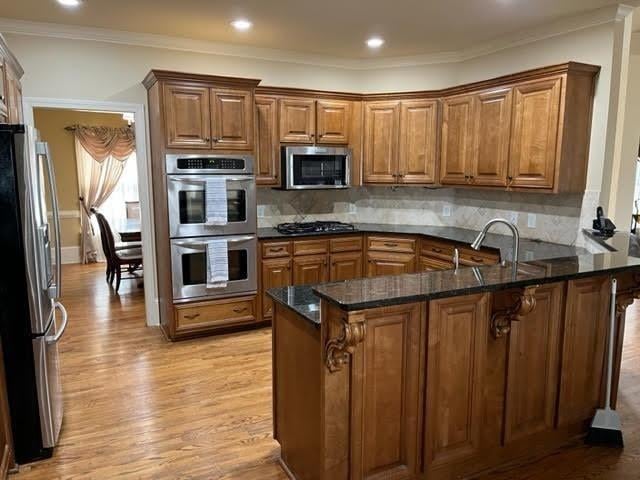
(353, 208)
(260, 211)
(513, 217)
(446, 210)
(528, 256)
(531, 220)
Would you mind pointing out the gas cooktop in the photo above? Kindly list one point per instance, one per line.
(314, 227)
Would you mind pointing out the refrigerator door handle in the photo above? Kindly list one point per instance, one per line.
(65, 320)
(42, 148)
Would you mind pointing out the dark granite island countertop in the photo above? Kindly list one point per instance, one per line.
(367, 293)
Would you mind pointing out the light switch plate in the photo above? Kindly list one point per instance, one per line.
(260, 211)
(353, 208)
(446, 210)
(513, 217)
(531, 220)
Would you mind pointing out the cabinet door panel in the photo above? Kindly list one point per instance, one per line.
(14, 94)
(334, 121)
(534, 366)
(585, 334)
(534, 137)
(268, 146)
(309, 269)
(458, 330)
(345, 266)
(276, 272)
(382, 263)
(187, 116)
(418, 141)
(297, 120)
(492, 113)
(457, 140)
(430, 264)
(232, 114)
(391, 393)
(381, 124)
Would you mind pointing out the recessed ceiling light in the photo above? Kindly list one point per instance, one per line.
(70, 3)
(375, 42)
(241, 24)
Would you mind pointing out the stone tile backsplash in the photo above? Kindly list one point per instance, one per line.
(559, 218)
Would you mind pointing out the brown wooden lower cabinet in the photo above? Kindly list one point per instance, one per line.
(430, 264)
(215, 314)
(440, 390)
(310, 269)
(387, 263)
(345, 266)
(275, 272)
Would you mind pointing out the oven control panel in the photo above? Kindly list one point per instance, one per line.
(211, 163)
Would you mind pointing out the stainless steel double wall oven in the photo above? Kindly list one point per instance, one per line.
(189, 231)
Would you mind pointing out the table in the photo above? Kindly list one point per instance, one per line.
(130, 230)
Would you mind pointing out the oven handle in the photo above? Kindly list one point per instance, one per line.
(203, 244)
(204, 180)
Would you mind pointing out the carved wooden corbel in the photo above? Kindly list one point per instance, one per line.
(337, 350)
(626, 297)
(524, 301)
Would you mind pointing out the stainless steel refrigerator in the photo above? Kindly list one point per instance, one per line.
(32, 319)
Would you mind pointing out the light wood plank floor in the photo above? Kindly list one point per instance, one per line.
(138, 407)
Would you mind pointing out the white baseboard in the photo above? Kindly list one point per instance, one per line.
(71, 255)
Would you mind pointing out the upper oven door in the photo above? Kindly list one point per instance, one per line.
(187, 206)
(317, 167)
(189, 268)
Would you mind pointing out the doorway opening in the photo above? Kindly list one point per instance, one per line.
(94, 154)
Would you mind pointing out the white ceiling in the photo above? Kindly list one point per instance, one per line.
(336, 28)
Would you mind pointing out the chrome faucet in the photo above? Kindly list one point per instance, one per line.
(514, 231)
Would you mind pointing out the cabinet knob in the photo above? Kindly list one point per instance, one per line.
(215, 140)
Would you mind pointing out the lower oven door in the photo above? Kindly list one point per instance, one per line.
(189, 268)
(188, 210)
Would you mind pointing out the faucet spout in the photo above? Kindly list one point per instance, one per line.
(477, 243)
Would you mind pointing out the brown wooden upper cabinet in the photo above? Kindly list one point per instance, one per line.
(10, 88)
(201, 117)
(400, 142)
(267, 160)
(524, 135)
(304, 120)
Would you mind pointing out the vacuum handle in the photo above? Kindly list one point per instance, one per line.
(612, 334)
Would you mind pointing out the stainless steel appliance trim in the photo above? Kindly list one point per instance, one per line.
(42, 148)
(194, 182)
(183, 292)
(46, 358)
(171, 163)
(314, 150)
(65, 320)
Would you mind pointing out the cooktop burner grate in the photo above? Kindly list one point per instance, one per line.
(314, 227)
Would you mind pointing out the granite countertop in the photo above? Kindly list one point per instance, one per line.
(383, 291)
(618, 242)
(300, 299)
(529, 249)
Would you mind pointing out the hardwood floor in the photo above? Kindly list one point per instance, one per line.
(138, 407)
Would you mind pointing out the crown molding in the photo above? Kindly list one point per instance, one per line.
(562, 26)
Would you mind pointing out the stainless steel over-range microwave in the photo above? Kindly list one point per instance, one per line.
(314, 167)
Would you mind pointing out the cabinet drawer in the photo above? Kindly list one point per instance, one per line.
(430, 264)
(392, 244)
(276, 249)
(310, 247)
(346, 244)
(437, 249)
(470, 257)
(218, 313)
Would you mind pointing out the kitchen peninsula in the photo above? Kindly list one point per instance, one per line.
(443, 374)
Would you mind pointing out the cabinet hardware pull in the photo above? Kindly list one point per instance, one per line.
(238, 309)
(437, 250)
(276, 249)
(391, 244)
(192, 316)
(477, 259)
(207, 139)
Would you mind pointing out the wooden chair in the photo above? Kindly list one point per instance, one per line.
(131, 258)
